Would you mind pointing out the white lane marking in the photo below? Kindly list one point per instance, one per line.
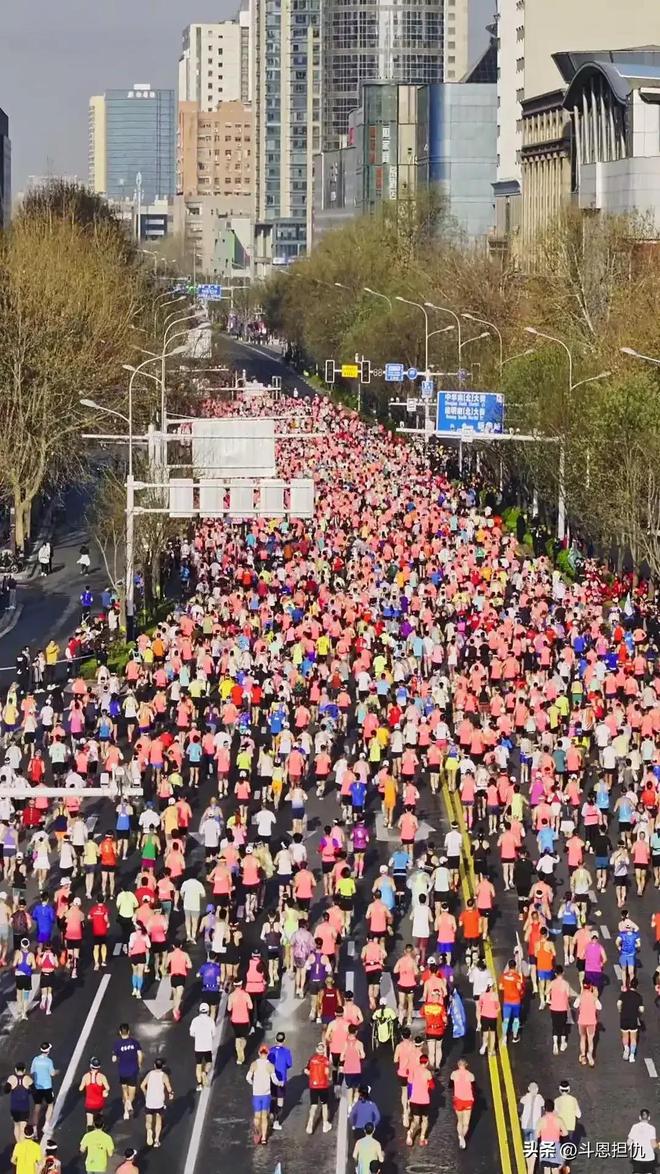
(618, 971)
(286, 1006)
(351, 947)
(387, 989)
(116, 950)
(204, 1097)
(605, 931)
(652, 1070)
(70, 1073)
(349, 981)
(342, 1135)
(388, 835)
(163, 1001)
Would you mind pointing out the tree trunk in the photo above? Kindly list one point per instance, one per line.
(27, 519)
(19, 521)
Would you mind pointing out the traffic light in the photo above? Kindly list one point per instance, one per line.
(365, 371)
(329, 370)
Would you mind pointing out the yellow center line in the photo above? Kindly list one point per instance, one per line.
(493, 1070)
(503, 1053)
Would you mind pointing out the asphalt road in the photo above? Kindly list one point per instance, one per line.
(218, 1127)
(612, 1093)
(50, 607)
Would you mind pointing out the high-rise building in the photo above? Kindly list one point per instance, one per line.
(214, 150)
(286, 102)
(133, 133)
(214, 65)
(5, 171)
(406, 139)
(97, 154)
(420, 42)
(531, 122)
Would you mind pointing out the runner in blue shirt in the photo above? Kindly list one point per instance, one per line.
(42, 1071)
(210, 974)
(127, 1055)
(45, 920)
(282, 1061)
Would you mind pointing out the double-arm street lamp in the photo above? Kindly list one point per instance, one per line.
(491, 326)
(459, 337)
(130, 479)
(561, 503)
(419, 306)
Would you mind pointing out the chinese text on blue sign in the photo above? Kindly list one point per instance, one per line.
(470, 411)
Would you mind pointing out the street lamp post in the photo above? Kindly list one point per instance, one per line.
(164, 355)
(171, 302)
(375, 294)
(519, 355)
(446, 310)
(154, 257)
(561, 499)
(491, 326)
(628, 350)
(419, 306)
(474, 338)
(129, 590)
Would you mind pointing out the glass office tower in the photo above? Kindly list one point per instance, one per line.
(140, 139)
(375, 40)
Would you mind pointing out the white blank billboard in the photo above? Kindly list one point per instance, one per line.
(233, 447)
(302, 498)
(182, 492)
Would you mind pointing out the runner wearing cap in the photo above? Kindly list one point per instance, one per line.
(202, 1032)
(262, 1075)
(96, 1089)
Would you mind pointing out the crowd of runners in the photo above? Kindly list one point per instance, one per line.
(395, 652)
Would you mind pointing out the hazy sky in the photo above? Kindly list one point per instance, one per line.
(54, 54)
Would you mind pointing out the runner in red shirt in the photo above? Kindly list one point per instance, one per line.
(99, 919)
(318, 1073)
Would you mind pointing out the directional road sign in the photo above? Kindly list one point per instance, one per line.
(427, 388)
(412, 373)
(350, 371)
(394, 372)
(210, 293)
(470, 412)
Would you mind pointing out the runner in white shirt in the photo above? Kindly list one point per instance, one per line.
(262, 1076)
(643, 1143)
(202, 1031)
(157, 1089)
(264, 821)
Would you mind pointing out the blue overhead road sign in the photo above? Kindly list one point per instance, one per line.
(412, 373)
(210, 293)
(393, 372)
(470, 411)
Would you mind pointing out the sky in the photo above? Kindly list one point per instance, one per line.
(54, 54)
